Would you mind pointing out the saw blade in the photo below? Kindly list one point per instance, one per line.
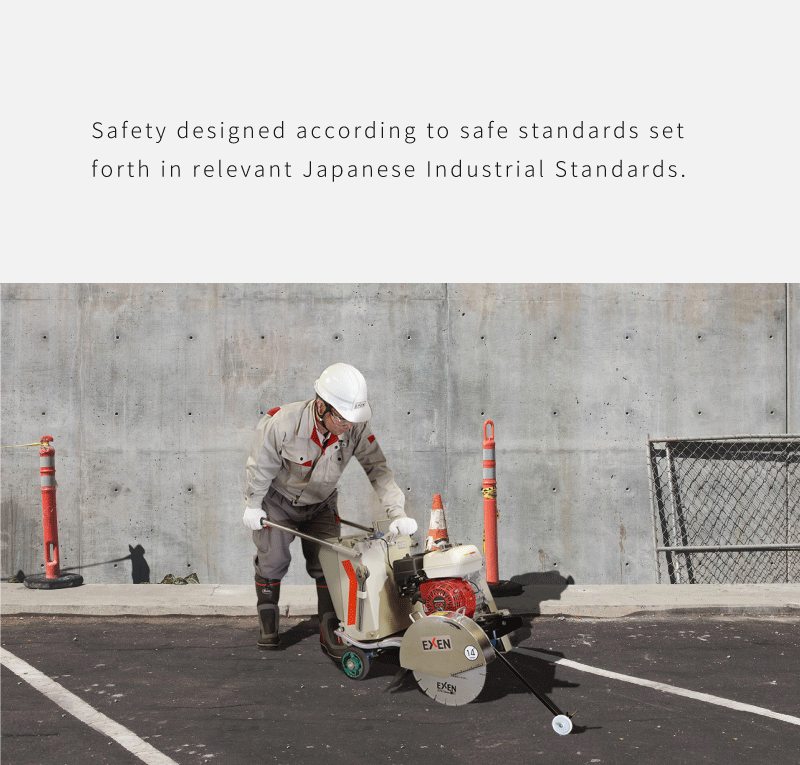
(454, 690)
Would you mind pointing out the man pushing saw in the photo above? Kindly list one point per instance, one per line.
(296, 460)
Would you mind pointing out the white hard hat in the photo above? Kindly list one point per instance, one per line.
(345, 389)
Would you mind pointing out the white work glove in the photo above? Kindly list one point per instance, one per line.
(252, 517)
(403, 526)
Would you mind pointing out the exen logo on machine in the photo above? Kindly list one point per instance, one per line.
(444, 687)
(437, 644)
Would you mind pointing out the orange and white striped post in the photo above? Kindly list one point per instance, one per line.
(47, 470)
(53, 578)
(490, 514)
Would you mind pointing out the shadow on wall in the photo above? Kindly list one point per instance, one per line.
(552, 578)
(140, 568)
(537, 586)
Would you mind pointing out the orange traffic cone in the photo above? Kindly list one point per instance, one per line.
(437, 532)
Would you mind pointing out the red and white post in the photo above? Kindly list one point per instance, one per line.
(489, 505)
(53, 578)
(47, 470)
(490, 515)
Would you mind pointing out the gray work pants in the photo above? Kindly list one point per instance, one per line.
(273, 557)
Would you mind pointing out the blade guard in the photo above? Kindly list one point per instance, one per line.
(444, 644)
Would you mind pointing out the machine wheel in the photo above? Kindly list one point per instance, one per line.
(562, 725)
(355, 664)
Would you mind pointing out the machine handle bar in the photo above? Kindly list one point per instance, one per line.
(549, 704)
(350, 553)
(355, 525)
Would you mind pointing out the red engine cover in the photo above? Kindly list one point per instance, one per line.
(447, 595)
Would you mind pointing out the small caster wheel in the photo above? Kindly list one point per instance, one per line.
(562, 725)
(355, 664)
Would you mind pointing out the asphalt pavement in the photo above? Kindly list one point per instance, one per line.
(170, 675)
(667, 688)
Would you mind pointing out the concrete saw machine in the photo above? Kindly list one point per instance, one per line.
(434, 608)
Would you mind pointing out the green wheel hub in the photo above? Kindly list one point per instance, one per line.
(353, 665)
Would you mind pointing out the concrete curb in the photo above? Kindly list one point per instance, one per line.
(614, 601)
(150, 600)
(601, 601)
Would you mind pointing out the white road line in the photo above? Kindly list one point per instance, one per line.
(83, 711)
(708, 698)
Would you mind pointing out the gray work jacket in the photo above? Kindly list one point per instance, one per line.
(289, 454)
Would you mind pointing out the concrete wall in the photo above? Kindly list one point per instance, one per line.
(151, 393)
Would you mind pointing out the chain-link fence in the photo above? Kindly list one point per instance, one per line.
(726, 510)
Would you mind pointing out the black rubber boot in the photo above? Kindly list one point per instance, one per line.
(269, 618)
(328, 622)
